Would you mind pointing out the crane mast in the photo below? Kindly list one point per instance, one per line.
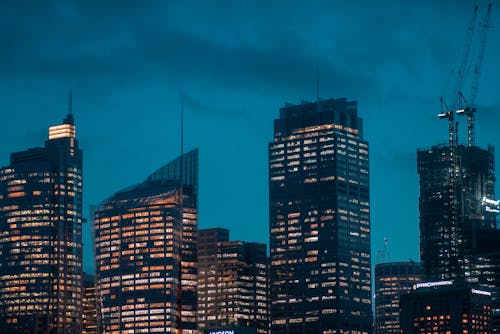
(447, 113)
(462, 106)
(454, 178)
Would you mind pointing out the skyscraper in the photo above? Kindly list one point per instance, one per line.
(454, 192)
(391, 280)
(319, 220)
(41, 236)
(145, 241)
(232, 282)
(208, 241)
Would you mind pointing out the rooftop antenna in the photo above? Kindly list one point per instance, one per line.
(383, 255)
(181, 214)
(317, 82)
(182, 130)
(70, 103)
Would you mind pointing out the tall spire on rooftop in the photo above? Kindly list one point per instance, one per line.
(69, 118)
(70, 107)
(317, 82)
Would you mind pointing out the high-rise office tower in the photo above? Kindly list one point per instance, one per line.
(89, 305)
(208, 241)
(41, 236)
(146, 261)
(445, 307)
(391, 280)
(319, 220)
(453, 204)
(232, 282)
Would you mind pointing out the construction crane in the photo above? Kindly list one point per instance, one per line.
(447, 112)
(465, 54)
(454, 170)
(465, 107)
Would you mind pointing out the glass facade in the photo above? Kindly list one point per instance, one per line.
(208, 241)
(391, 280)
(146, 257)
(232, 282)
(319, 220)
(41, 236)
(452, 208)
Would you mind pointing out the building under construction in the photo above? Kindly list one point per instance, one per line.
(458, 233)
(454, 208)
(457, 202)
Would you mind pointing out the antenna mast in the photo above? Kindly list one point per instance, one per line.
(383, 254)
(70, 102)
(317, 82)
(182, 131)
(181, 217)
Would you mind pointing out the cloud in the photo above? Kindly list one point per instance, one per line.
(112, 46)
(199, 107)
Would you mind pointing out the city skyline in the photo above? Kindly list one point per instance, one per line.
(271, 61)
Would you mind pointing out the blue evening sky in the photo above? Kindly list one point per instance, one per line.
(237, 63)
